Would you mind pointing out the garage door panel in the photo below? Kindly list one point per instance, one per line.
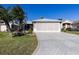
(47, 27)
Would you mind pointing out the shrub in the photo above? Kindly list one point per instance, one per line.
(30, 31)
(68, 29)
(62, 29)
(17, 33)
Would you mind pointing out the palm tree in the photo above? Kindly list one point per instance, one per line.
(60, 19)
(19, 15)
(42, 17)
(4, 15)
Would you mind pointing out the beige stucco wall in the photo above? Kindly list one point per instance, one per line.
(46, 27)
(3, 28)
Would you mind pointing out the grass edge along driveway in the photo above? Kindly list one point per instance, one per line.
(20, 45)
(72, 32)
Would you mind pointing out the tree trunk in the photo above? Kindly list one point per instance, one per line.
(20, 24)
(8, 27)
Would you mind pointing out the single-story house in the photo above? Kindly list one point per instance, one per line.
(67, 24)
(46, 25)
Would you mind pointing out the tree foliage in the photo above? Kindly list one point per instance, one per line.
(15, 13)
(4, 15)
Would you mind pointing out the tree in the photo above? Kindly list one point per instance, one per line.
(4, 15)
(42, 17)
(18, 14)
(60, 19)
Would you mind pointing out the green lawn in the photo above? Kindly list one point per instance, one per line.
(73, 32)
(20, 45)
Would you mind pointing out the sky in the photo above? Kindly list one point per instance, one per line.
(49, 11)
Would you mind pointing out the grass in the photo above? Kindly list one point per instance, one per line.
(73, 32)
(20, 45)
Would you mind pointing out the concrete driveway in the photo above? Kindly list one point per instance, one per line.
(57, 44)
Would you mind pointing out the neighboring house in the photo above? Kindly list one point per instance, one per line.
(66, 24)
(2, 26)
(46, 25)
(75, 25)
(13, 25)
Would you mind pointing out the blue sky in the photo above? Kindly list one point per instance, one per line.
(51, 11)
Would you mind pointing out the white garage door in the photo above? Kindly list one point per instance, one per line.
(47, 27)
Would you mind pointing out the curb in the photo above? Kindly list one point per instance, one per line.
(34, 53)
